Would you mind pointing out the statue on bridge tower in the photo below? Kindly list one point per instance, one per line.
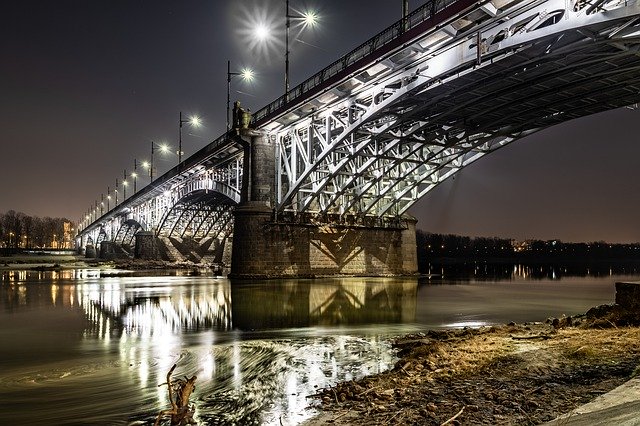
(241, 117)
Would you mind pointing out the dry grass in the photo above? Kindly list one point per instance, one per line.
(503, 375)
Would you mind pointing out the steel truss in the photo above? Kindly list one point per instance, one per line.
(127, 231)
(198, 215)
(361, 141)
(383, 138)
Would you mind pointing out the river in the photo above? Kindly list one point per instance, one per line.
(87, 346)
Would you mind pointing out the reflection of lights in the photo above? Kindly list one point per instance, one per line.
(54, 294)
(462, 324)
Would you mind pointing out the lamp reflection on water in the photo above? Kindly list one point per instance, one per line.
(256, 359)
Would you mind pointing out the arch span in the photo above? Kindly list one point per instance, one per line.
(127, 232)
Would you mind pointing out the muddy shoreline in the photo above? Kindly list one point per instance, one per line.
(524, 374)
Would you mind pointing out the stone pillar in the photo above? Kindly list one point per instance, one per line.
(250, 250)
(265, 249)
(90, 251)
(409, 249)
(107, 250)
(146, 246)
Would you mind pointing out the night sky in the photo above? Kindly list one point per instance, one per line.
(85, 86)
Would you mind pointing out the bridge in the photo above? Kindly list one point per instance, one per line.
(320, 180)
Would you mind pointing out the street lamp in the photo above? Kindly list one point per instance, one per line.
(134, 174)
(124, 185)
(309, 18)
(115, 190)
(194, 120)
(164, 148)
(246, 74)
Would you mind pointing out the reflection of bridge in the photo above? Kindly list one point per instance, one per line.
(321, 183)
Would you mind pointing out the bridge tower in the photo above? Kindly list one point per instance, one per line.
(268, 245)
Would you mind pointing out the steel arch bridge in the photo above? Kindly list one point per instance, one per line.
(366, 137)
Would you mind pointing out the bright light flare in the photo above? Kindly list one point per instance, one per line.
(195, 121)
(134, 175)
(262, 32)
(247, 74)
(164, 148)
(311, 18)
(145, 164)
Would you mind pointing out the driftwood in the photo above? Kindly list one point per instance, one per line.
(537, 336)
(453, 418)
(179, 391)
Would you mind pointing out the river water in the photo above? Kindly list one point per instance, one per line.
(86, 346)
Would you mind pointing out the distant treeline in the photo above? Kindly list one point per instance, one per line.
(18, 230)
(439, 246)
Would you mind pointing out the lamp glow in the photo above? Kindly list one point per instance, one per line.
(247, 74)
(310, 18)
(262, 32)
(195, 121)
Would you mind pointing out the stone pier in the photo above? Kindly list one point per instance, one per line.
(264, 247)
(146, 246)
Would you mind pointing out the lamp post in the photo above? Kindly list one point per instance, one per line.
(149, 165)
(310, 18)
(194, 121)
(124, 185)
(116, 191)
(245, 73)
(134, 175)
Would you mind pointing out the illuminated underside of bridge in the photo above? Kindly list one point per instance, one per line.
(332, 171)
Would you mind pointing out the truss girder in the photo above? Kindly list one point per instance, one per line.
(127, 231)
(388, 141)
(220, 172)
(199, 214)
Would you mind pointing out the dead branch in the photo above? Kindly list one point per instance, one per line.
(453, 418)
(537, 336)
(179, 391)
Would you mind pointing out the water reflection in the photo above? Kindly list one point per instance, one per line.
(89, 349)
(488, 271)
(243, 341)
(304, 303)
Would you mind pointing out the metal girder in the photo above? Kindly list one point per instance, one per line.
(127, 231)
(219, 170)
(369, 135)
(199, 214)
(391, 138)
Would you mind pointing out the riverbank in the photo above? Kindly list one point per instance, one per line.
(523, 374)
(47, 262)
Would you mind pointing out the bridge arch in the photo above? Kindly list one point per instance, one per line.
(199, 214)
(375, 149)
(127, 231)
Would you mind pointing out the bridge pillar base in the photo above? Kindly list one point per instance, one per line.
(90, 251)
(146, 246)
(110, 250)
(263, 248)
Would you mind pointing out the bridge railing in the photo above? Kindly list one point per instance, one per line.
(382, 39)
